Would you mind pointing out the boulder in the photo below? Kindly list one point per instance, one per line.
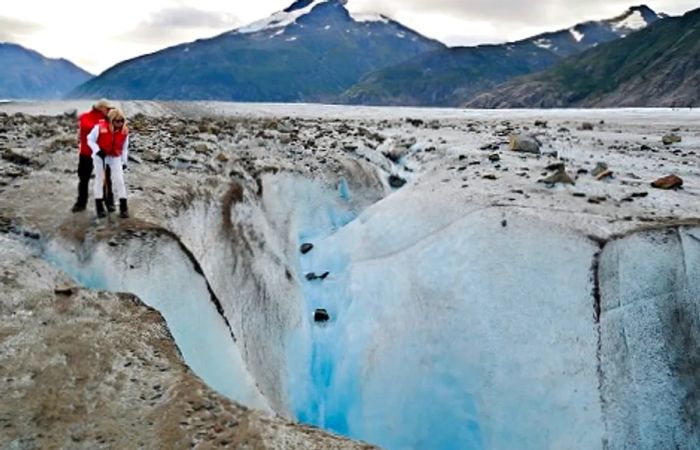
(667, 183)
(523, 143)
(671, 139)
(306, 248)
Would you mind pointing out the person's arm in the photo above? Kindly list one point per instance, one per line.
(92, 141)
(125, 152)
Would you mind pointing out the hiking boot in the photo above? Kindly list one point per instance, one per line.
(100, 208)
(78, 207)
(123, 209)
(110, 206)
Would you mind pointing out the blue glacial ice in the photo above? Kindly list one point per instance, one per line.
(162, 276)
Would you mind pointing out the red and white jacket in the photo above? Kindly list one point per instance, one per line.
(86, 123)
(114, 144)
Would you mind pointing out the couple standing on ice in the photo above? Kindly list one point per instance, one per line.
(104, 145)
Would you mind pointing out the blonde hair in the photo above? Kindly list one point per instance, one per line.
(103, 104)
(116, 113)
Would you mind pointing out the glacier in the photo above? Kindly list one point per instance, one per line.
(450, 328)
(465, 312)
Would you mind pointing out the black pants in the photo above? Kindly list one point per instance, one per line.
(85, 168)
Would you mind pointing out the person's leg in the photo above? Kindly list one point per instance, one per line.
(109, 191)
(84, 173)
(99, 187)
(118, 186)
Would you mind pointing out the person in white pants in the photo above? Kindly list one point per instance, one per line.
(109, 142)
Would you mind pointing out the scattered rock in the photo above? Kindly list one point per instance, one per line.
(560, 176)
(587, 126)
(321, 316)
(394, 150)
(600, 168)
(222, 157)
(202, 149)
(487, 147)
(490, 176)
(306, 248)
(671, 139)
(312, 276)
(494, 157)
(556, 166)
(150, 155)
(396, 181)
(541, 123)
(15, 157)
(526, 144)
(667, 183)
(65, 289)
(604, 175)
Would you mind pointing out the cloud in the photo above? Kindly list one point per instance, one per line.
(176, 23)
(14, 30)
(507, 19)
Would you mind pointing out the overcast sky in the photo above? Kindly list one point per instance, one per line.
(99, 35)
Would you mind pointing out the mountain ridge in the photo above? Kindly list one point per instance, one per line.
(27, 74)
(452, 76)
(311, 51)
(658, 66)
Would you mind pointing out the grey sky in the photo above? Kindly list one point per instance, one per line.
(69, 29)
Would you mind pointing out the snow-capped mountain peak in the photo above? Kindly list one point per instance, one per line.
(282, 18)
(635, 18)
(595, 32)
(301, 8)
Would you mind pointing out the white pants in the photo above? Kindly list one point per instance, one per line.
(115, 167)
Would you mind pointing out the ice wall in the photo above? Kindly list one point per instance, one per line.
(650, 339)
(154, 267)
(454, 330)
(247, 242)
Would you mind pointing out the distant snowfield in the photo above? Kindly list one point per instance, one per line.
(472, 308)
(302, 110)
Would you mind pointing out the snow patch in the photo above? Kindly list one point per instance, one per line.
(543, 43)
(279, 19)
(576, 34)
(279, 32)
(291, 39)
(368, 17)
(634, 21)
(401, 35)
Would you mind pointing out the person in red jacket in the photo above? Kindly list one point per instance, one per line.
(86, 123)
(109, 142)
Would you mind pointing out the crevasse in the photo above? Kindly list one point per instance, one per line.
(451, 328)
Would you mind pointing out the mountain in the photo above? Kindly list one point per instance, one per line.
(658, 66)
(311, 51)
(449, 77)
(26, 74)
